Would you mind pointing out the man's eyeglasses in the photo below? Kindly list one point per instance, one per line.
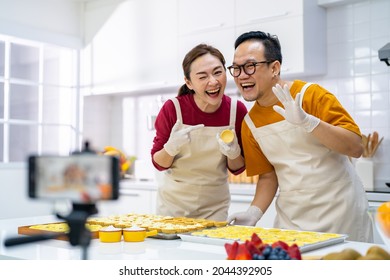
(249, 68)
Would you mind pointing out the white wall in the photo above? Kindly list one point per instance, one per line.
(355, 75)
(56, 22)
(14, 201)
(51, 21)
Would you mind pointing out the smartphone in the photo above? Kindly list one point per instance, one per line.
(80, 178)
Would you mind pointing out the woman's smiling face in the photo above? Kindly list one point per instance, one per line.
(208, 81)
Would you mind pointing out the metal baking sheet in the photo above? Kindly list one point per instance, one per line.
(221, 241)
(165, 236)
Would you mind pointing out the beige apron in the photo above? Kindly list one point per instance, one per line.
(196, 184)
(318, 190)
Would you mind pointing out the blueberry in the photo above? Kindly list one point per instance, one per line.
(277, 249)
(282, 253)
(273, 257)
(267, 250)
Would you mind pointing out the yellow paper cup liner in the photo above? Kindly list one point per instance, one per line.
(227, 136)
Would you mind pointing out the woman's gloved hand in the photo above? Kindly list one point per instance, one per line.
(231, 150)
(293, 111)
(179, 136)
(248, 218)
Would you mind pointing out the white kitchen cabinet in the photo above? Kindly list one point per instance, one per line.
(222, 39)
(130, 201)
(255, 11)
(240, 203)
(204, 15)
(130, 47)
(300, 26)
(332, 3)
(209, 22)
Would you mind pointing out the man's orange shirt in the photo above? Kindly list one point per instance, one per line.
(317, 101)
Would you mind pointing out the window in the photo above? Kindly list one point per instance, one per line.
(39, 99)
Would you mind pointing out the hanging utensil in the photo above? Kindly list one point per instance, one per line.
(369, 145)
(373, 142)
(365, 144)
(376, 147)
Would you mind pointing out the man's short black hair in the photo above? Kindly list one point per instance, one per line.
(271, 44)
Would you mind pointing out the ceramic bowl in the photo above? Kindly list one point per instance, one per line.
(110, 234)
(136, 234)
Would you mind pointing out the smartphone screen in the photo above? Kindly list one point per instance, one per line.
(81, 178)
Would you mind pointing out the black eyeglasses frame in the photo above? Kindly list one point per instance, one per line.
(232, 68)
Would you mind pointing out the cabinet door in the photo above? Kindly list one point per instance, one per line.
(209, 22)
(300, 27)
(131, 46)
(205, 15)
(256, 11)
(292, 43)
(240, 203)
(130, 201)
(222, 39)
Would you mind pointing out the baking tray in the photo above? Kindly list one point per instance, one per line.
(26, 230)
(222, 241)
(165, 236)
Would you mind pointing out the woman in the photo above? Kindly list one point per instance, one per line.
(193, 161)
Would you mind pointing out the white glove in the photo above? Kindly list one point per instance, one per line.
(179, 137)
(293, 111)
(248, 218)
(231, 150)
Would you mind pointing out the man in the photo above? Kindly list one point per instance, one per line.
(297, 137)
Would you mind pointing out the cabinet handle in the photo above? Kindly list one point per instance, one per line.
(282, 14)
(128, 193)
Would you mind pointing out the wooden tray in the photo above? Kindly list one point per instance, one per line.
(26, 230)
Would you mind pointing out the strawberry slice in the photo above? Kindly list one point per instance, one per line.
(256, 240)
(281, 244)
(243, 253)
(231, 250)
(294, 252)
(252, 248)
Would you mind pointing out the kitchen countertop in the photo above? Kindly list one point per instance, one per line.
(150, 249)
(236, 189)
